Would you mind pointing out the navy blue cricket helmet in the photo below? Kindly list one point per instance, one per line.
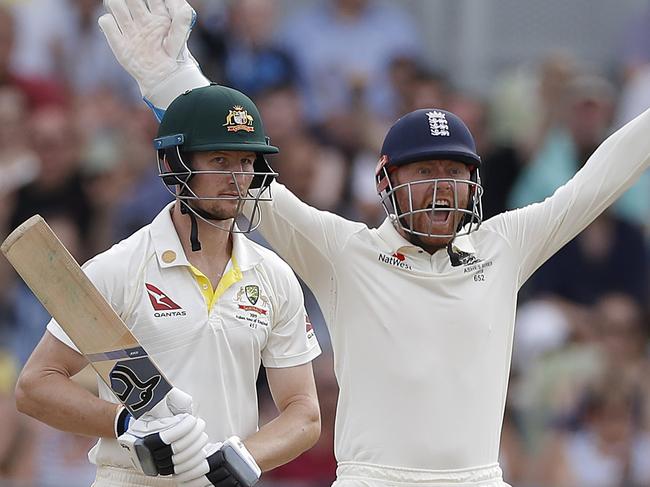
(429, 134)
(423, 135)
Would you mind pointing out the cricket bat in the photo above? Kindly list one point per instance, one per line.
(97, 331)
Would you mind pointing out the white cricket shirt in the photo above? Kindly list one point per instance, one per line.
(422, 348)
(256, 315)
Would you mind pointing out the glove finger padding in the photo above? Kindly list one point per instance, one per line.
(121, 14)
(139, 11)
(179, 402)
(184, 427)
(183, 17)
(157, 7)
(198, 471)
(113, 34)
(176, 403)
(190, 440)
(161, 445)
(191, 457)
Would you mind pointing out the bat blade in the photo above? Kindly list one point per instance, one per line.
(60, 284)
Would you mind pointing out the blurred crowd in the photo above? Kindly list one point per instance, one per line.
(329, 78)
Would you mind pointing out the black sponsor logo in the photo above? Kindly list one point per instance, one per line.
(130, 389)
(396, 260)
(165, 314)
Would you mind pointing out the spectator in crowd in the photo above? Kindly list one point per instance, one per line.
(606, 450)
(121, 183)
(609, 335)
(609, 255)
(528, 100)
(621, 325)
(502, 160)
(586, 123)
(635, 52)
(39, 25)
(238, 43)
(83, 60)
(317, 171)
(38, 92)
(16, 435)
(343, 46)
(18, 163)
(59, 184)
(635, 91)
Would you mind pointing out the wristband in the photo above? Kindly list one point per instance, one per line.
(122, 420)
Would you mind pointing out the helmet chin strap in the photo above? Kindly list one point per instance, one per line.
(193, 212)
(194, 230)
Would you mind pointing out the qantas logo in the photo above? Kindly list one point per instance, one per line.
(162, 303)
(159, 300)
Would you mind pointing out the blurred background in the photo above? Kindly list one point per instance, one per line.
(540, 84)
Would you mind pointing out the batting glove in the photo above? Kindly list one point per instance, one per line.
(165, 440)
(149, 39)
(227, 464)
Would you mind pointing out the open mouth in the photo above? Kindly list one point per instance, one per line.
(441, 211)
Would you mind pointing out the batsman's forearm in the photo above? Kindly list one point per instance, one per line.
(294, 431)
(56, 400)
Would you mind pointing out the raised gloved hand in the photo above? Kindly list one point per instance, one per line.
(227, 464)
(149, 39)
(167, 439)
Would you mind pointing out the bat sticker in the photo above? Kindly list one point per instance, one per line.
(137, 383)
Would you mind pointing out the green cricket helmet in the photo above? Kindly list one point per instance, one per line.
(211, 118)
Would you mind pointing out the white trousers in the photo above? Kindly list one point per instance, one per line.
(120, 477)
(349, 474)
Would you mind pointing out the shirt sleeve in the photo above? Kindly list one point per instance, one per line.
(537, 231)
(292, 340)
(308, 239)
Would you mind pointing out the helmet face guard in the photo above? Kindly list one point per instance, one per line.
(214, 118)
(176, 173)
(404, 218)
(430, 135)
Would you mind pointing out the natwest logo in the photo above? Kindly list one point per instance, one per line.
(396, 260)
(162, 304)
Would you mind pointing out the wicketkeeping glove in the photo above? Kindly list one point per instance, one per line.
(227, 464)
(149, 39)
(165, 440)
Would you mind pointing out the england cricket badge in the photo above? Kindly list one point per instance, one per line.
(239, 119)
